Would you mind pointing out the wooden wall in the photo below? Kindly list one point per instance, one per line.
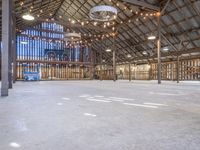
(57, 71)
(188, 70)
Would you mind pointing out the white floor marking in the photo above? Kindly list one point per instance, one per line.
(140, 105)
(155, 104)
(15, 145)
(90, 97)
(98, 96)
(59, 104)
(88, 114)
(86, 95)
(65, 98)
(110, 99)
(170, 94)
(97, 100)
(120, 98)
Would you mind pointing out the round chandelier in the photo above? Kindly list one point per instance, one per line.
(103, 13)
(72, 37)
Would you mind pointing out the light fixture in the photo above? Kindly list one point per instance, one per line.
(73, 22)
(152, 37)
(108, 50)
(144, 53)
(72, 37)
(28, 17)
(165, 49)
(103, 13)
(95, 23)
(129, 56)
(24, 42)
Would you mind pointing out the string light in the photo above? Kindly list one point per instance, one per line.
(95, 23)
(107, 24)
(22, 3)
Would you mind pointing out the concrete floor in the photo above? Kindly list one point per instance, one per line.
(95, 115)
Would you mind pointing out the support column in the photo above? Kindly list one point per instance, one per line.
(6, 21)
(10, 58)
(177, 69)
(150, 72)
(101, 73)
(158, 49)
(92, 64)
(129, 68)
(114, 60)
(114, 66)
(14, 51)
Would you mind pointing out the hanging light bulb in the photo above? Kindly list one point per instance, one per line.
(73, 22)
(129, 56)
(22, 3)
(95, 23)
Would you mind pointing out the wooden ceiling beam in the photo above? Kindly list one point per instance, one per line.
(142, 4)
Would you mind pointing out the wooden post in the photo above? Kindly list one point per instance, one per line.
(14, 50)
(177, 69)
(6, 34)
(114, 59)
(101, 73)
(129, 68)
(158, 50)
